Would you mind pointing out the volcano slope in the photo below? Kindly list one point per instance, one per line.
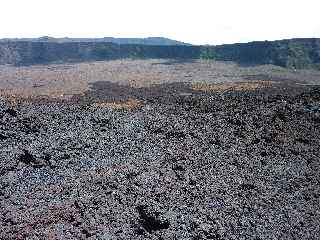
(241, 163)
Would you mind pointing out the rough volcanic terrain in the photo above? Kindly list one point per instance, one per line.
(206, 162)
(155, 149)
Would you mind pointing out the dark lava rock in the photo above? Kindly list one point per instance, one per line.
(11, 112)
(3, 137)
(238, 165)
(150, 222)
(28, 159)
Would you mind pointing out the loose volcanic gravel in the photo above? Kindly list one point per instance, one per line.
(234, 165)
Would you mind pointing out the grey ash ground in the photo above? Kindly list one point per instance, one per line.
(231, 164)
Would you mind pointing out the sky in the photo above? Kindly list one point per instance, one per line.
(192, 21)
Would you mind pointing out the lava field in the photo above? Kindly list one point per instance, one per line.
(199, 165)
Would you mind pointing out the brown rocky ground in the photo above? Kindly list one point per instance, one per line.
(65, 80)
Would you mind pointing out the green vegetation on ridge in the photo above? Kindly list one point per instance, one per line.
(294, 53)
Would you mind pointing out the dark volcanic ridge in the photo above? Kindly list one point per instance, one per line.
(240, 164)
(292, 53)
(161, 41)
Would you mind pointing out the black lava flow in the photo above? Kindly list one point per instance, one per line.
(239, 165)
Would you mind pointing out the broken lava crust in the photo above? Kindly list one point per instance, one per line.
(235, 165)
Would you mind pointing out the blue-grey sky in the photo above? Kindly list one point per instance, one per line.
(193, 21)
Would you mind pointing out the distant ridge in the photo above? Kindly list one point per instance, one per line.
(291, 53)
(160, 41)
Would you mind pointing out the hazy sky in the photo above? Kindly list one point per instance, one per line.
(194, 21)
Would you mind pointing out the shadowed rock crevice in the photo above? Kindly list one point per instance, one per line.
(11, 112)
(150, 221)
(30, 160)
